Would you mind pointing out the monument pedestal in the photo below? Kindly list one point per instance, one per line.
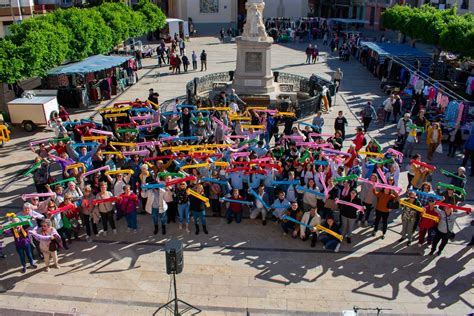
(253, 74)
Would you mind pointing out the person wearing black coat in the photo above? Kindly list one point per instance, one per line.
(329, 241)
(349, 214)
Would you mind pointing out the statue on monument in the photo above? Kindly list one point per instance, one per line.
(254, 28)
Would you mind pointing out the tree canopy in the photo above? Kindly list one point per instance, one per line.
(43, 42)
(442, 28)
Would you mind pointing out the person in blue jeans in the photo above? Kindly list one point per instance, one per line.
(330, 242)
(157, 207)
(199, 209)
(181, 197)
(128, 202)
(22, 243)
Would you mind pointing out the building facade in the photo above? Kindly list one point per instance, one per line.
(209, 16)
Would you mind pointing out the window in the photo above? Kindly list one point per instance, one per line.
(465, 5)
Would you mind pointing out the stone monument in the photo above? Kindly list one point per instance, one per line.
(253, 74)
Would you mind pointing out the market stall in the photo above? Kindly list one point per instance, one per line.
(91, 80)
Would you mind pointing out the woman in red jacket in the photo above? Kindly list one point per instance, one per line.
(426, 225)
(359, 139)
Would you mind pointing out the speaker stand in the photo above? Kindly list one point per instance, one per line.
(172, 305)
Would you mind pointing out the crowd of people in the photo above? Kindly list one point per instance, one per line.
(230, 160)
(176, 57)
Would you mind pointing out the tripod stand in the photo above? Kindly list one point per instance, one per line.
(172, 305)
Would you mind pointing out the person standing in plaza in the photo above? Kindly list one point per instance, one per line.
(128, 202)
(49, 242)
(309, 53)
(337, 78)
(182, 46)
(444, 230)
(368, 114)
(388, 108)
(409, 218)
(340, 124)
(198, 210)
(382, 210)
(185, 60)
(194, 59)
(434, 135)
(403, 129)
(349, 214)
(203, 60)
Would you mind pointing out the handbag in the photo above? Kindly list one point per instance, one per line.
(53, 245)
(439, 149)
(393, 204)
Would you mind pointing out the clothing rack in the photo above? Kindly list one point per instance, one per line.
(411, 69)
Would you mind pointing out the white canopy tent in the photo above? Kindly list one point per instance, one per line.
(177, 26)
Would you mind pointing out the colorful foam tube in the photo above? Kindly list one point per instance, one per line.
(265, 205)
(310, 125)
(106, 168)
(432, 217)
(450, 174)
(24, 197)
(112, 172)
(148, 125)
(91, 144)
(221, 108)
(422, 164)
(412, 206)
(117, 153)
(115, 110)
(320, 135)
(395, 153)
(336, 152)
(221, 164)
(320, 227)
(62, 209)
(290, 114)
(150, 143)
(141, 118)
(97, 131)
(33, 168)
(346, 178)
(63, 181)
(170, 174)
(321, 162)
(286, 182)
(454, 207)
(122, 144)
(153, 186)
(220, 123)
(252, 127)
(452, 187)
(142, 110)
(381, 162)
(13, 225)
(127, 130)
(382, 176)
(55, 140)
(77, 165)
(434, 196)
(236, 201)
(101, 201)
(221, 182)
(199, 165)
(386, 186)
(176, 181)
(360, 208)
(262, 172)
(368, 153)
(199, 196)
(301, 188)
(116, 115)
(143, 152)
(87, 138)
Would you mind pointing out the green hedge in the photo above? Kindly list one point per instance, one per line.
(43, 42)
(442, 28)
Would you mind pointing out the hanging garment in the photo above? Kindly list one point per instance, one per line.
(451, 112)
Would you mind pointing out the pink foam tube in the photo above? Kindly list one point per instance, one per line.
(216, 120)
(152, 143)
(244, 154)
(294, 137)
(56, 158)
(396, 153)
(41, 141)
(264, 159)
(386, 186)
(382, 176)
(323, 182)
(148, 125)
(237, 137)
(85, 174)
(97, 131)
(29, 196)
(138, 152)
(358, 207)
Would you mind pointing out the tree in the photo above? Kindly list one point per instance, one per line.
(154, 17)
(442, 28)
(11, 66)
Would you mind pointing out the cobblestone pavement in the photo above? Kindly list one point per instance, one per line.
(246, 268)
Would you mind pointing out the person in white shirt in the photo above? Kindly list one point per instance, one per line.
(310, 218)
(259, 207)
